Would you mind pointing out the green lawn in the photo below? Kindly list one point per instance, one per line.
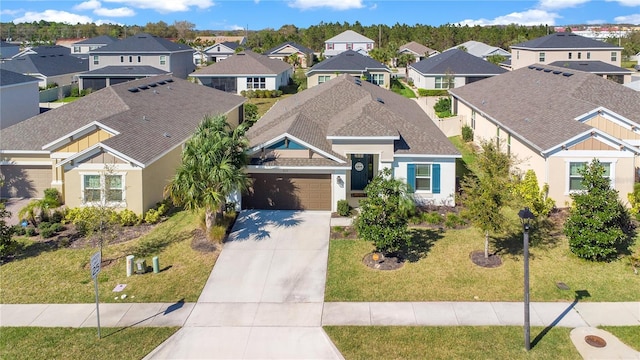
(468, 155)
(459, 342)
(399, 88)
(445, 272)
(627, 334)
(264, 104)
(63, 276)
(628, 64)
(66, 343)
(68, 99)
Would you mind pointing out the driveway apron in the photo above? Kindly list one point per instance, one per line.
(264, 297)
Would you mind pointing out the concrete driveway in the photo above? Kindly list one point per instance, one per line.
(265, 295)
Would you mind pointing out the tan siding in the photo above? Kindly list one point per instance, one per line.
(132, 182)
(156, 176)
(26, 181)
(85, 142)
(104, 158)
(591, 144)
(612, 128)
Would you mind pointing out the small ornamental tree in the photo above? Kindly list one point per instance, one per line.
(383, 213)
(599, 225)
(6, 243)
(531, 196)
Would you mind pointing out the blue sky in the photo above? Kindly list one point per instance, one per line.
(260, 14)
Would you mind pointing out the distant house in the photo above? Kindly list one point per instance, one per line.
(245, 70)
(134, 57)
(216, 52)
(600, 68)
(83, 47)
(482, 50)
(44, 50)
(451, 69)
(49, 65)
(8, 50)
(284, 51)
(18, 98)
(240, 40)
(352, 63)
(563, 47)
(325, 144)
(128, 134)
(347, 40)
(419, 51)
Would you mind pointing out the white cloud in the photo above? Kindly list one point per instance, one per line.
(53, 15)
(166, 6)
(332, 4)
(87, 5)
(118, 12)
(234, 27)
(529, 18)
(626, 2)
(373, 7)
(560, 4)
(628, 19)
(108, 22)
(596, 22)
(10, 12)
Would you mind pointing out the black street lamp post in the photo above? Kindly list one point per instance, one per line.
(526, 216)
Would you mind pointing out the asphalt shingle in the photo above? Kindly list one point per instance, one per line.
(564, 41)
(457, 62)
(245, 63)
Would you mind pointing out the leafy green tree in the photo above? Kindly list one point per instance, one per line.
(405, 60)
(212, 168)
(6, 243)
(530, 195)
(251, 112)
(383, 217)
(485, 190)
(599, 225)
(496, 59)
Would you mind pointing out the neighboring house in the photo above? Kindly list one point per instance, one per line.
(347, 40)
(241, 40)
(451, 69)
(8, 50)
(128, 136)
(49, 68)
(326, 144)
(284, 51)
(482, 50)
(44, 50)
(555, 121)
(140, 50)
(113, 74)
(607, 71)
(83, 47)
(419, 51)
(352, 63)
(18, 98)
(561, 47)
(216, 52)
(246, 70)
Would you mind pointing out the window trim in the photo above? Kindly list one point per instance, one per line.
(103, 200)
(163, 59)
(542, 57)
(614, 56)
(377, 79)
(323, 78)
(435, 177)
(96, 60)
(568, 162)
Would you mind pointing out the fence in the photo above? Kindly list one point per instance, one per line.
(54, 94)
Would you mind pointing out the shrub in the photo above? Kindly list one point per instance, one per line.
(163, 209)
(243, 93)
(56, 227)
(452, 220)
(43, 225)
(30, 231)
(52, 197)
(467, 133)
(75, 91)
(58, 216)
(18, 230)
(267, 94)
(129, 218)
(634, 200)
(343, 208)
(89, 219)
(425, 92)
(433, 218)
(529, 193)
(46, 232)
(422, 92)
(152, 216)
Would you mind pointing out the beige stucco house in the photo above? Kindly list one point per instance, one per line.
(126, 138)
(554, 121)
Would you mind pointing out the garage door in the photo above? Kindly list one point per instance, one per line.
(289, 192)
(25, 181)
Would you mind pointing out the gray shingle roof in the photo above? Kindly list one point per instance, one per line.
(246, 62)
(141, 43)
(11, 78)
(230, 44)
(564, 41)
(98, 40)
(540, 106)
(348, 61)
(125, 70)
(142, 118)
(49, 65)
(480, 49)
(341, 107)
(592, 66)
(46, 50)
(348, 36)
(457, 62)
(417, 48)
(301, 48)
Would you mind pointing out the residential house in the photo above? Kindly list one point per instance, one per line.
(600, 68)
(555, 121)
(352, 63)
(83, 47)
(240, 40)
(482, 50)
(562, 47)
(450, 69)
(347, 40)
(419, 51)
(18, 97)
(126, 139)
(49, 67)
(246, 71)
(137, 53)
(8, 50)
(326, 144)
(44, 50)
(284, 51)
(216, 52)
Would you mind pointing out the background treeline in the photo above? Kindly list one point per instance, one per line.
(438, 38)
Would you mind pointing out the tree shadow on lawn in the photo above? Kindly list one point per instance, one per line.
(545, 234)
(160, 241)
(421, 242)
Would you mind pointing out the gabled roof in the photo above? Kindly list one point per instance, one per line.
(457, 62)
(350, 61)
(137, 70)
(295, 45)
(232, 46)
(245, 63)
(481, 49)
(98, 40)
(348, 107)
(141, 43)
(50, 65)
(148, 122)
(416, 48)
(44, 50)
(540, 103)
(349, 36)
(592, 66)
(557, 41)
(12, 78)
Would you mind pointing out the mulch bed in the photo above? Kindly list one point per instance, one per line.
(388, 262)
(478, 258)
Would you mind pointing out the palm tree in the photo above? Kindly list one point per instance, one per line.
(212, 168)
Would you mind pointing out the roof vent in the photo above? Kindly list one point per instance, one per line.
(547, 70)
(169, 80)
(531, 67)
(143, 87)
(144, 117)
(556, 72)
(380, 100)
(567, 74)
(169, 87)
(166, 135)
(161, 82)
(349, 54)
(152, 85)
(133, 89)
(539, 68)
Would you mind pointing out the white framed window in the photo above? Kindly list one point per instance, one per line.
(349, 46)
(92, 189)
(130, 58)
(570, 56)
(100, 188)
(76, 49)
(121, 58)
(444, 82)
(588, 55)
(575, 176)
(541, 57)
(473, 119)
(377, 79)
(423, 177)
(323, 78)
(614, 56)
(256, 83)
(579, 55)
(329, 46)
(96, 59)
(163, 59)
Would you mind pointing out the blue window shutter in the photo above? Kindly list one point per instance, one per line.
(411, 177)
(435, 178)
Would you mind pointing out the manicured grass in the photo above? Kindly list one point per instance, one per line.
(628, 64)
(264, 104)
(399, 88)
(629, 335)
(445, 273)
(394, 342)
(66, 343)
(68, 99)
(63, 276)
(468, 154)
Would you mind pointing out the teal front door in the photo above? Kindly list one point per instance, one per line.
(361, 170)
